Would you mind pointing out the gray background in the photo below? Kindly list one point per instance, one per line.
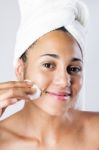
(9, 21)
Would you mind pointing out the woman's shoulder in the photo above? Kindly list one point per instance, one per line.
(91, 123)
(90, 116)
(7, 122)
(8, 132)
(87, 116)
(8, 126)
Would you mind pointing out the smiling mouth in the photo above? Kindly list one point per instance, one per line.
(60, 96)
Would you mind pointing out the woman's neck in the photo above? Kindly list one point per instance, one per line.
(41, 124)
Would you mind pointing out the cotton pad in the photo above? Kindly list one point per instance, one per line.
(37, 93)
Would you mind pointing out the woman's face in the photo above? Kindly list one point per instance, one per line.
(54, 63)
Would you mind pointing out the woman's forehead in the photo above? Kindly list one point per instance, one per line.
(56, 37)
(56, 46)
(56, 42)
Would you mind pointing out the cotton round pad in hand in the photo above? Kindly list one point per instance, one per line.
(37, 93)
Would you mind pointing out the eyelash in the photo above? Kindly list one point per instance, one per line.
(74, 70)
(70, 69)
(50, 66)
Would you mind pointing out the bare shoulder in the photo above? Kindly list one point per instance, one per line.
(7, 132)
(91, 124)
(3, 136)
(4, 129)
(91, 117)
(8, 127)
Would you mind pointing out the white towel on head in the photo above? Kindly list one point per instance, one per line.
(39, 17)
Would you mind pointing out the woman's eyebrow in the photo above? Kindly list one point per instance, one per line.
(51, 55)
(57, 56)
(77, 59)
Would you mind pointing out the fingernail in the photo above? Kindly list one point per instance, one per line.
(29, 82)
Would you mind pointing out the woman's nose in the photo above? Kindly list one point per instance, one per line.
(63, 79)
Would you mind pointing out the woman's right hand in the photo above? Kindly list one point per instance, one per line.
(14, 91)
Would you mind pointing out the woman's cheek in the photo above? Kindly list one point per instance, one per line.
(77, 85)
(42, 79)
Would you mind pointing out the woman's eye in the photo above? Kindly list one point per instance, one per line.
(74, 69)
(49, 65)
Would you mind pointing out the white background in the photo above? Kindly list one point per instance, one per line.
(9, 21)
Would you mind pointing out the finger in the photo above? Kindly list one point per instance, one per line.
(10, 101)
(5, 103)
(12, 84)
(14, 92)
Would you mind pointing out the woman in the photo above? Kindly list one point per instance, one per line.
(54, 62)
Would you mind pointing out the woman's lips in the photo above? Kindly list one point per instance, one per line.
(60, 95)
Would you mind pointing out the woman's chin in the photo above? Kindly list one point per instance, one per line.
(52, 110)
(53, 107)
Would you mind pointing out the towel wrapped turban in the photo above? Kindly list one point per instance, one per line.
(39, 17)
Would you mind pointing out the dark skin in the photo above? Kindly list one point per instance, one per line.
(51, 122)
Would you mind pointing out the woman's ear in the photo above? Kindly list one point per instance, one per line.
(20, 68)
